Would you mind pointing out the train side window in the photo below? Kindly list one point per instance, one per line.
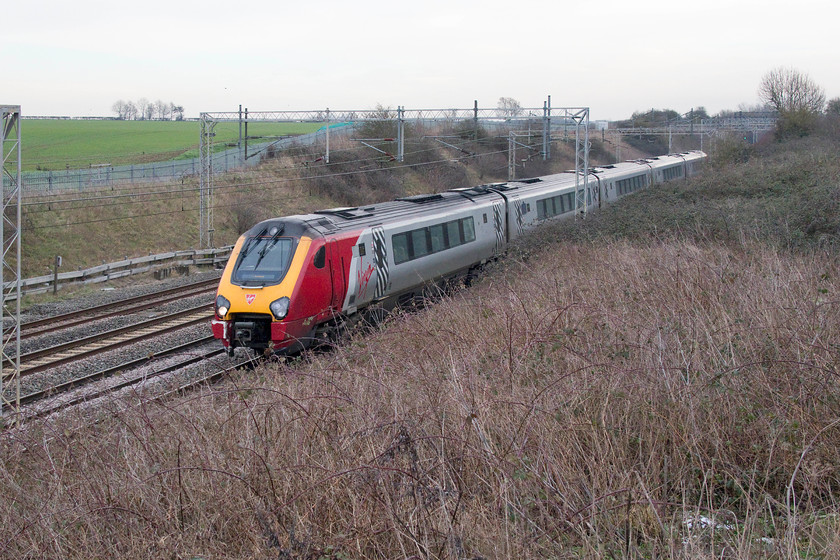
(362, 251)
(453, 232)
(469, 229)
(419, 243)
(485, 218)
(320, 259)
(438, 238)
(400, 243)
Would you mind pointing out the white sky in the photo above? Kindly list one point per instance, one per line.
(614, 56)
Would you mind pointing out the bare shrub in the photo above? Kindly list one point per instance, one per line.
(729, 150)
(381, 124)
(616, 399)
(243, 212)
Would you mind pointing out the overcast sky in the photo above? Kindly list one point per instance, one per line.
(615, 56)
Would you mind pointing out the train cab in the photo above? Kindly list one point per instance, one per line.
(259, 303)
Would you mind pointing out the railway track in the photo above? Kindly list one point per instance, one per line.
(71, 373)
(78, 391)
(45, 403)
(134, 304)
(61, 354)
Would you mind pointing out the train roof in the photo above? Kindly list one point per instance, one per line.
(330, 221)
(405, 208)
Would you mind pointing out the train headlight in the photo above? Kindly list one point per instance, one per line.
(222, 306)
(279, 307)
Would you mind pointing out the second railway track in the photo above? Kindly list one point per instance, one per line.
(53, 356)
(48, 325)
(84, 356)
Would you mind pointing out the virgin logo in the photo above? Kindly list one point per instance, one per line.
(250, 298)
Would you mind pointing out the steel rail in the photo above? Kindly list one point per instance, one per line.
(61, 354)
(77, 382)
(87, 397)
(106, 306)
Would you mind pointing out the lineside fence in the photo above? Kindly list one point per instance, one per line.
(44, 182)
(161, 264)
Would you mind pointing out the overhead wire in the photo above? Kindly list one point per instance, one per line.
(240, 185)
(169, 195)
(130, 191)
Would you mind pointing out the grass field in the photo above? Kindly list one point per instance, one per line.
(58, 144)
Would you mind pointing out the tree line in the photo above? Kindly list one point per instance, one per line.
(798, 103)
(145, 110)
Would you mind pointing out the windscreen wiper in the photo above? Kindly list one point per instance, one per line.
(250, 243)
(268, 246)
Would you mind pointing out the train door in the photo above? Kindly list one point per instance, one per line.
(338, 275)
(380, 261)
(500, 225)
(517, 209)
(370, 273)
(599, 193)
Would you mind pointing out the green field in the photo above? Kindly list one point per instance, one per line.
(58, 144)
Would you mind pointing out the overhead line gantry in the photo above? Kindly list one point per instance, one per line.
(576, 118)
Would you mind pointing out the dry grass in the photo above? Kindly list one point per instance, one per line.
(649, 393)
(585, 406)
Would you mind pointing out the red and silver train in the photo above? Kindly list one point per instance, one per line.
(293, 281)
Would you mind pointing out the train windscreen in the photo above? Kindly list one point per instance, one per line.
(263, 260)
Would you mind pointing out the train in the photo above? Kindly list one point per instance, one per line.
(292, 282)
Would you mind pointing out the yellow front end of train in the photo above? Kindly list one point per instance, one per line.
(254, 302)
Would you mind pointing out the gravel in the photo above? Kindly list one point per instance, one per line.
(119, 290)
(146, 348)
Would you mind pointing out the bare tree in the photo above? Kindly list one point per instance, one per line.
(143, 109)
(797, 98)
(162, 110)
(755, 107)
(509, 107)
(120, 107)
(143, 106)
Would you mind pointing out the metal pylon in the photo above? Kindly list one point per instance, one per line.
(582, 195)
(205, 203)
(10, 269)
